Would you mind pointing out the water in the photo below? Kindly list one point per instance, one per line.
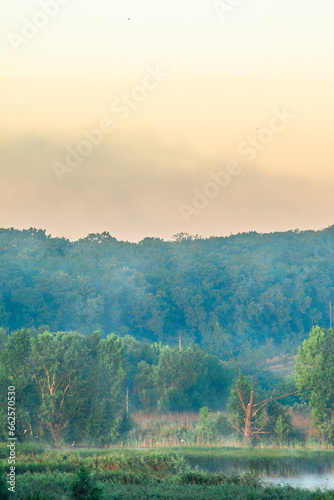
(308, 481)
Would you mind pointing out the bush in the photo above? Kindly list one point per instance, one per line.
(38, 496)
(127, 424)
(4, 493)
(222, 426)
(85, 486)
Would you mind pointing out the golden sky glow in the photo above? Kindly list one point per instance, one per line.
(176, 92)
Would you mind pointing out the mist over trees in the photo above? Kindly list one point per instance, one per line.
(73, 387)
(254, 287)
(93, 330)
(80, 388)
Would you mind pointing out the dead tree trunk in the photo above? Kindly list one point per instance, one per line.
(251, 428)
(248, 420)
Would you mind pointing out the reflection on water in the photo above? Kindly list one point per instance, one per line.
(308, 481)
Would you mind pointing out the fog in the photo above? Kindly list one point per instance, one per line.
(309, 481)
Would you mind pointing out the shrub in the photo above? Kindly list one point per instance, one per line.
(85, 486)
(281, 429)
(222, 426)
(38, 496)
(4, 493)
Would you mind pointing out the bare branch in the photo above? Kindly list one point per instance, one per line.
(252, 428)
(236, 378)
(266, 401)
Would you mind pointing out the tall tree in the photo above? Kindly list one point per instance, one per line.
(315, 378)
(16, 370)
(57, 361)
(245, 412)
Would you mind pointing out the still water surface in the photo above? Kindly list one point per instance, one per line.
(308, 481)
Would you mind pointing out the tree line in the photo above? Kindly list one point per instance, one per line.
(253, 287)
(72, 387)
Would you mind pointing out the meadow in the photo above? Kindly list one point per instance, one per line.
(185, 472)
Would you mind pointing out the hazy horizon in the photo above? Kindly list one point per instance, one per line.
(215, 117)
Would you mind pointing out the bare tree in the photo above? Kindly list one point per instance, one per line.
(253, 426)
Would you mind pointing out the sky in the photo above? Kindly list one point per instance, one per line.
(147, 118)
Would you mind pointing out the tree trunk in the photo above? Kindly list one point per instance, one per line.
(247, 419)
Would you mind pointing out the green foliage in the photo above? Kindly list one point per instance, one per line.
(278, 412)
(204, 419)
(282, 429)
(37, 496)
(181, 380)
(207, 478)
(315, 378)
(213, 428)
(4, 493)
(69, 387)
(222, 427)
(85, 486)
(235, 412)
(173, 474)
(52, 486)
(253, 286)
(57, 362)
(266, 417)
(16, 370)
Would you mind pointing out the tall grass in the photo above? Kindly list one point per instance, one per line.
(269, 461)
(177, 473)
(58, 486)
(184, 429)
(265, 461)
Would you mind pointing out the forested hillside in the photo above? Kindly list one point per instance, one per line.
(251, 286)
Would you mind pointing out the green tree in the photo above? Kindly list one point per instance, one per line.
(186, 379)
(107, 403)
(205, 422)
(4, 493)
(57, 364)
(85, 486)
(145, 387)
(247, 415)
(276, 411)
(315, 379)
(68, 386)
(16, 370)
(282, 429)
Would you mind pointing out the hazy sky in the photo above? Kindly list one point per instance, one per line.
(148, 117)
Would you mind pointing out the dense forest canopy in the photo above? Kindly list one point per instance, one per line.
(250, 286)
(71, 386)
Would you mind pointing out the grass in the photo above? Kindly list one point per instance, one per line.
(264, 461)
(267, 461)
(180, 419)
(58, 486)
(170, 473)
(183, 428)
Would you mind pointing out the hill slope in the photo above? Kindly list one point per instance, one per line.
(252, 286)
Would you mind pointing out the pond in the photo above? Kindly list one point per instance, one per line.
(308, 481)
